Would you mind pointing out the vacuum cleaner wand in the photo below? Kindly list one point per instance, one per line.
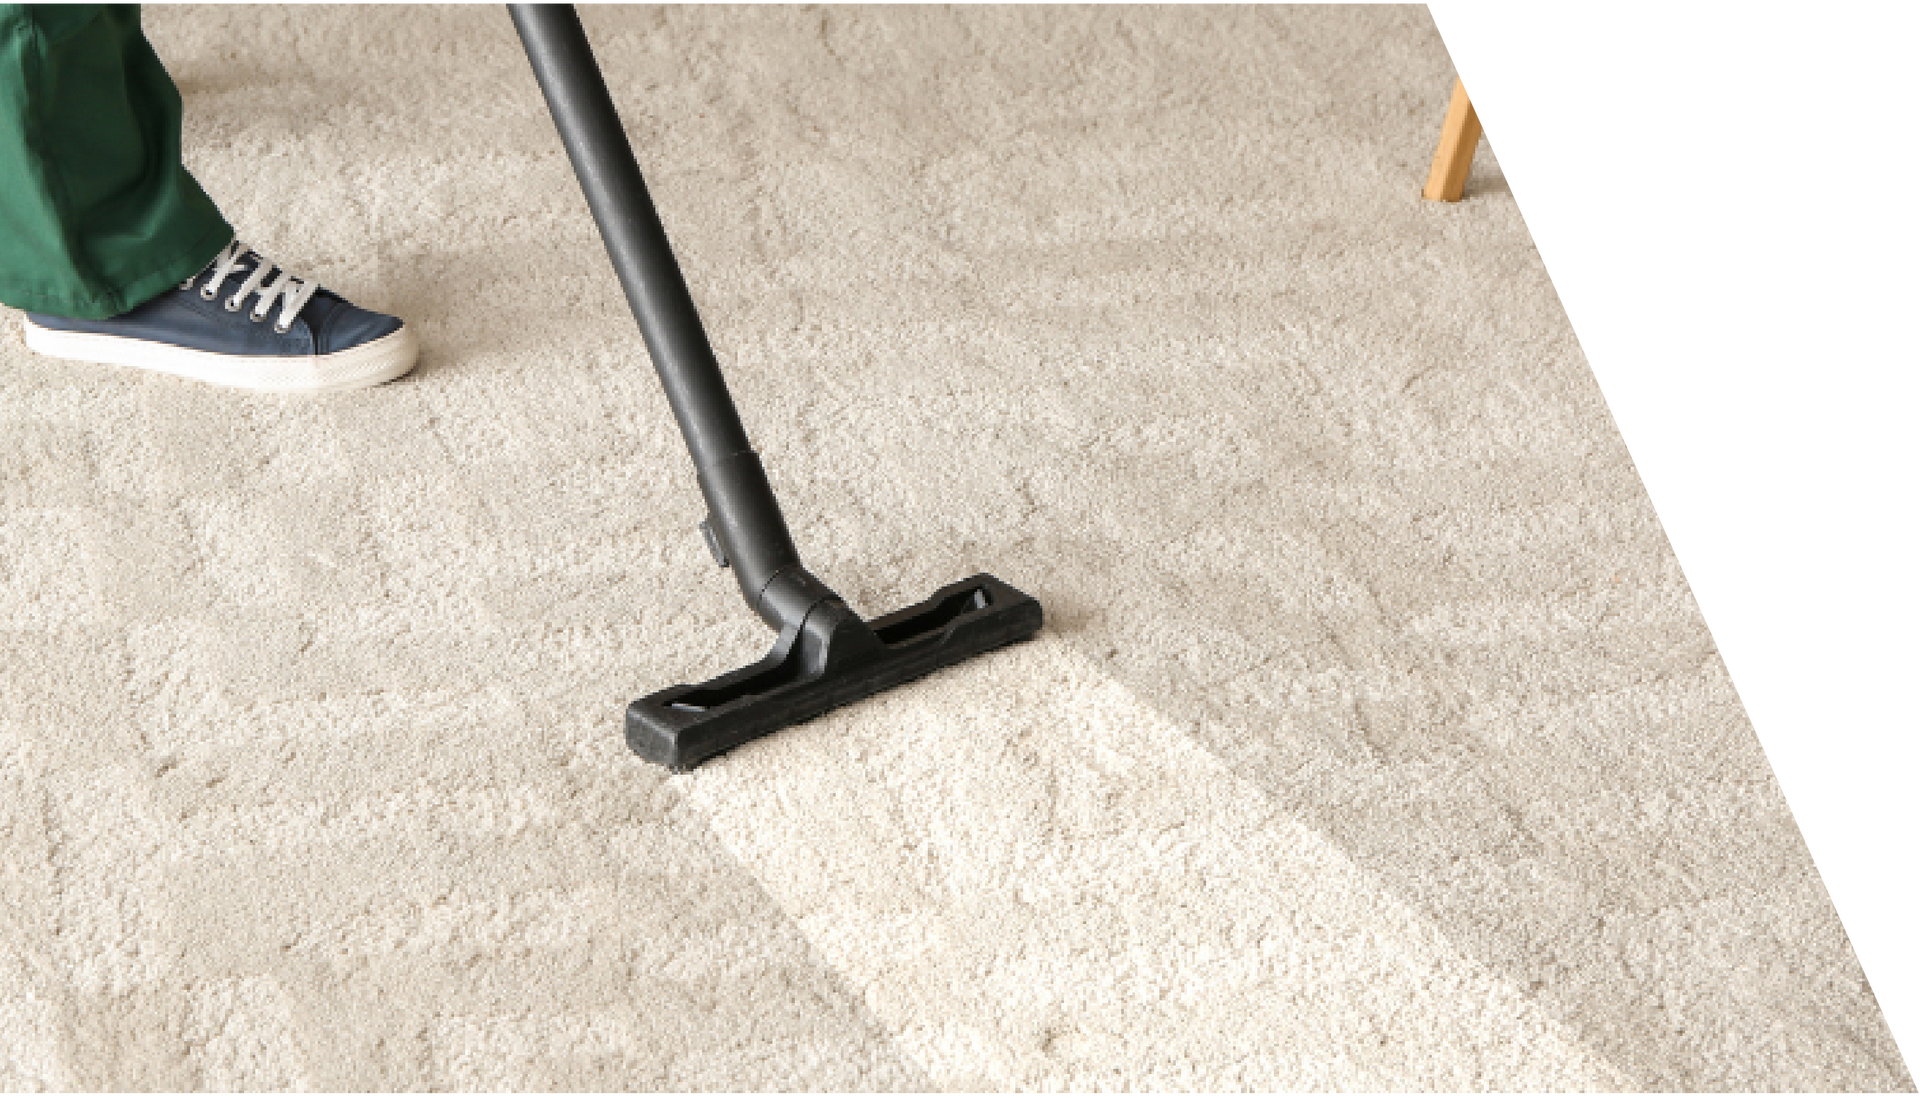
(824, 655)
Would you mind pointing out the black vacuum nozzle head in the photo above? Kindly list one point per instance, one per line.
(825, 655)
(829, 659)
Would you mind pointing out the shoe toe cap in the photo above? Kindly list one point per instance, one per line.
(345, 327)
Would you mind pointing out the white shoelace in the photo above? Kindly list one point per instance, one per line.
(292, 292)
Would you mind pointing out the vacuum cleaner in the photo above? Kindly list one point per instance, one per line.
(824, 655)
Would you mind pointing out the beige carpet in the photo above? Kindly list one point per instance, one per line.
(1374, 740)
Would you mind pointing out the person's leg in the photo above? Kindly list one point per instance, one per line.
(115, 252)
(97, 211)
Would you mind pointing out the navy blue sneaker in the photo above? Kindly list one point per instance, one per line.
(267, 331)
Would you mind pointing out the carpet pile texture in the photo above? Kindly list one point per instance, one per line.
(1374, 740)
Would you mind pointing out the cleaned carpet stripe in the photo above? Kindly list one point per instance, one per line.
(1059, 889)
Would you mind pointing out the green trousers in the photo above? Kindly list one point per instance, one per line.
(97, 214)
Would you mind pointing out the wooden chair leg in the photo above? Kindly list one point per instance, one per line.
(1458, 136)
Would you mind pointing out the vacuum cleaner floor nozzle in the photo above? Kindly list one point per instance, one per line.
(829, 659)
(825, 655)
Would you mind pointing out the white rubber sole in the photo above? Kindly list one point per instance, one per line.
(384, 359)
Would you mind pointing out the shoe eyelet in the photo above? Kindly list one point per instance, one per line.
(283, 329)
(233, 304)
(256, 317)
(206, 293)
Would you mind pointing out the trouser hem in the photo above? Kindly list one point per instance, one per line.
(183, 265)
